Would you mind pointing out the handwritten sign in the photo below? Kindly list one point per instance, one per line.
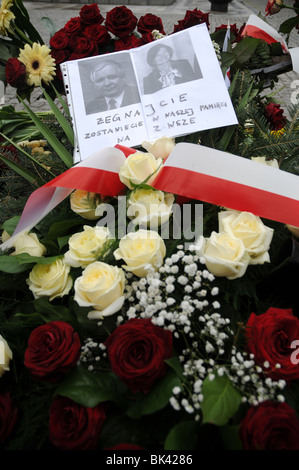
(170, 87)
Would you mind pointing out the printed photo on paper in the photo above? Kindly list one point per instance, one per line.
(171, 87)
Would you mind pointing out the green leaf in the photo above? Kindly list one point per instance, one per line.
(23, 23)
(25, 132)
(4, 52)
(49, 23)
(157, 398)
(10, 224)
(229, 131)
(22, 262)
(26, 258)
(287, 26)
(62, 102)
(20, 6)
(182, 436)
(245, 49)
(89, 389)
(36, 162)
(227, 59)
(55, 143)
(62, 241)
(10, 264)
(62, 228)
(30, 177)
(230, 437)
(2, 74)
(60, 118)
(221, 400)
(50, 311)
(175, 364)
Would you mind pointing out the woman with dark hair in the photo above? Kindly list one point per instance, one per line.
(166, 72)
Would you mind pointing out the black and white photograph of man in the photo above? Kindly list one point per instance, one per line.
(109, 87)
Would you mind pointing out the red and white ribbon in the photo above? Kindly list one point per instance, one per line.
(192, 171)
(98, 173)
(258, 28)
(230, 181)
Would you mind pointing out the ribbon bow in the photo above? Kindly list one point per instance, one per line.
(192, 171)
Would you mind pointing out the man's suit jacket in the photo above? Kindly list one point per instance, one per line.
(131, 96)
(151, 83)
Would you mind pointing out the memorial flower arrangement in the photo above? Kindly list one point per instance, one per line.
(146, 334)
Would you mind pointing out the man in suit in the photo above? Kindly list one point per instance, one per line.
(109, 79)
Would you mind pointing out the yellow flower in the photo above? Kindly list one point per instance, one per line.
(40, 66)
(278, 132)
(5, 16)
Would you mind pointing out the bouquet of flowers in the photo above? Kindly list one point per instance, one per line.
(142, 319)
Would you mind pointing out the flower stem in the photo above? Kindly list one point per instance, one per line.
(22, 35)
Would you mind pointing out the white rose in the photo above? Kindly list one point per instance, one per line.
(149, 207)
(84, 203)
(139, 250)
(294, 230)
(251, 230)
(138, 167)
(101, 287)
(160, 148)
(29, 243)
(225, 255)
(5, 356)
(50, 280)
(85, 246)
(273, 162)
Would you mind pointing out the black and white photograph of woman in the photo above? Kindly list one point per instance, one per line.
(168, 68)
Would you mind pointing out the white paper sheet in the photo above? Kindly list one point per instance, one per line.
(199, 99)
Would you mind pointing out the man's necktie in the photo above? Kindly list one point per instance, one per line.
(112, 104)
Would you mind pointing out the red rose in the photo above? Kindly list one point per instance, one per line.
(275, 116)
(233, 29)
(272, 7)
(60, 40)
(60, 55)
(8, 416)
(239, 37)
(53, 349)
(73, 26)
(73, 426)
(269, 338)
(91, 14)
(97, 33)
(270, 426)
(148, 23)
(120, 21)
(83, 46)
(137, 351)
(76, 55)
(15, 72)
(146, 38)
(129, 42)
(192, 18)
